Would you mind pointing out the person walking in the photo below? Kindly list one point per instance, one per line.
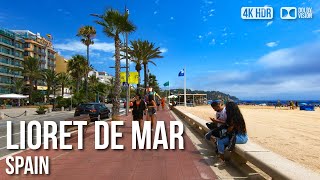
(139, 107)
(163, 103)
(151, 105)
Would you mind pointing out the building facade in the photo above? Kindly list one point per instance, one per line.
(103, 77)
(61, 64)
(11, 60)
(39, 48)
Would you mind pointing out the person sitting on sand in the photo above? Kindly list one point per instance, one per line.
(237, 132)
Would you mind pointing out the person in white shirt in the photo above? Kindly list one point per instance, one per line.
(216, 128)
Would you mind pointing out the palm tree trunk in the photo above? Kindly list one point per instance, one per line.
(116, 104)
(30, 90)
(62, 89)
(145, 77)
(138, 85)
(86, 73)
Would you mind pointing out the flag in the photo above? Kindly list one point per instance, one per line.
(166, 84)
(181, 73)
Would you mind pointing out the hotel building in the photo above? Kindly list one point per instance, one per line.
(11, 57)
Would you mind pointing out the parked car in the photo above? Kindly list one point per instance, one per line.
(96, 111)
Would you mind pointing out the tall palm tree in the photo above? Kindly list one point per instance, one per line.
(135, 53)
(114, 24)
(149, 52)
(32, 72)
(64, 80)
(77, 67)
(87, 33)
(49, 76)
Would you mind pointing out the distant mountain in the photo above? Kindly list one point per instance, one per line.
(211, 95)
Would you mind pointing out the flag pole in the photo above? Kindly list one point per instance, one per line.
(185, 86)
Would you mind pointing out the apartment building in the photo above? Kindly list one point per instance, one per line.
(11, 59)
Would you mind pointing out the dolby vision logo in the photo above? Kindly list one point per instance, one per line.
(288, 13)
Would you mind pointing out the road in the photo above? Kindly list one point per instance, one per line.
(54, 116)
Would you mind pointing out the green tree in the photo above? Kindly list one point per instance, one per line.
(135, 53)
(18, 85)
(114, 23)
(77, 67)
(149, 52)
(50, 77)
(64, 80)
(87, 33)
(31, 70)
(153, 82)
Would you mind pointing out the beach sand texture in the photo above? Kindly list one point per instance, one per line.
(293, 134)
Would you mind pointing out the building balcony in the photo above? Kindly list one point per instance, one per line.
(4, 53)
(6, 43)
(7, 33)
(51, 56)
(4, 91)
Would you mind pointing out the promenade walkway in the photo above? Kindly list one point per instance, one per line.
(120, 164)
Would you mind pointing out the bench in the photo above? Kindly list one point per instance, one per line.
(78, 118)
(274, 165)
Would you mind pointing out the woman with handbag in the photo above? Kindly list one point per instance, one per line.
(237, 132)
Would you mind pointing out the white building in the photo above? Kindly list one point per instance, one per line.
(103, 77)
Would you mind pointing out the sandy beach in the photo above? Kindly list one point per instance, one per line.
(293, 134)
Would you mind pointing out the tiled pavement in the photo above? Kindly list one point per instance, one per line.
(120, 164)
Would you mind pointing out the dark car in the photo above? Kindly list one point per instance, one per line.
(96, 111)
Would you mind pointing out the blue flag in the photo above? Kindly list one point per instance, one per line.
(181, 73)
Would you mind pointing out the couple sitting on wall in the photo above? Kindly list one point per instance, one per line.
(228, 128)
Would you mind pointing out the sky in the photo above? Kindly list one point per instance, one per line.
(250, 59)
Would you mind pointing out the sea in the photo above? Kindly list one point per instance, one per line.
(283, 102)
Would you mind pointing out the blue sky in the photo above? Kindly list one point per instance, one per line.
(251, 59)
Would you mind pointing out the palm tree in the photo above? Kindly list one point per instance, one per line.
(148, 52)
(87, 33)
(18, 85)
(32, 72)
(114, 24)
(136, 57)
(77, 67)
(64, 80)
(49, 77)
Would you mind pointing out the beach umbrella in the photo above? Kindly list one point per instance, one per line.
(13, 96)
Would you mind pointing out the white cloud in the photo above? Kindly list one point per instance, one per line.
(155, 12)
(269, 23)
(171, 18)
(208, 2)
(282, 74)
(316, 31)
(77, 46)
(210, 15)
(272, 44)
(163, 50)
(212, 10)
(213, 42)
(200, 37)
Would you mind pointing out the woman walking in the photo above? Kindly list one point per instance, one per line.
(151, 105)
(138, 107)
(237, 132)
